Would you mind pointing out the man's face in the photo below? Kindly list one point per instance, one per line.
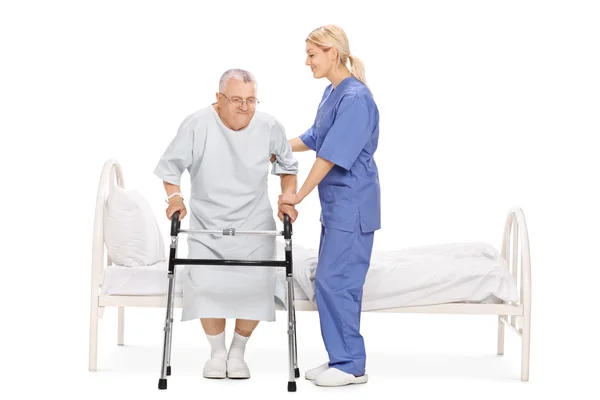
(237, 103)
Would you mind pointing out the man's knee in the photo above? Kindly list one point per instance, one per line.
(245, 327)
(213, 326)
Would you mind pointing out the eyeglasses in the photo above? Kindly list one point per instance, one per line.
(238, 101)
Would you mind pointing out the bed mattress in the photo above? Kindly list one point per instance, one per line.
(418, 276)
(151, 280)
(424, 275)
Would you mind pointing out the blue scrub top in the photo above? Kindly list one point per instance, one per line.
(346, 132)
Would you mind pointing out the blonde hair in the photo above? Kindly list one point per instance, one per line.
(332, 36)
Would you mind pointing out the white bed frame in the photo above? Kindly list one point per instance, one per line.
(516, 316)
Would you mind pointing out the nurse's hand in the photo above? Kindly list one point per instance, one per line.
(288, 198)
(289, 210)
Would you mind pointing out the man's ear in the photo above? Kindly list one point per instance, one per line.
(217, 98)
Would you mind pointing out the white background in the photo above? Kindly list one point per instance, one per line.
(484, 106)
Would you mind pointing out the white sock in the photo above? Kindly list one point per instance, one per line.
(238, 346)
(217, 346)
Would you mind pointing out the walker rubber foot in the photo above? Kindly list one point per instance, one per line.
(297, 372)
(162, 384)
(291, 386)
(169, 370)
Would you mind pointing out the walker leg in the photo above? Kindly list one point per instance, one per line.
(291, 335)
(162, 383)
(295, 340)
(168, 337)
(294, 372)
(172, 281)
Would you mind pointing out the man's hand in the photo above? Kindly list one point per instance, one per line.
(273, 158)
(176, 204)
(288, 198)
(289, 210)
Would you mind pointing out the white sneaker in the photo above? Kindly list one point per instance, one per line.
(336, 377)
(237, 369)
(312, 374)
(215, 368)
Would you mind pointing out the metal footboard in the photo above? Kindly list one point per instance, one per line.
(294, 371)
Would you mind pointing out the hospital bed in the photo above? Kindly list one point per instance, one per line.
(450, 278)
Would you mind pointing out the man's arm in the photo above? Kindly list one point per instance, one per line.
(286, 166)
(177, 158)
(178, 155)
(176, 202)
(289, 183)
(170, 188)
(298, 144)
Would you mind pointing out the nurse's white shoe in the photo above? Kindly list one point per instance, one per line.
(335, 377)
(312, 374)
(215, 368)
(237, 369)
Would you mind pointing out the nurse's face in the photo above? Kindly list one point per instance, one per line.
(237, 103)
(321, 62)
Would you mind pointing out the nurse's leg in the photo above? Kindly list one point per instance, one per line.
(341, 274)
(312, 374)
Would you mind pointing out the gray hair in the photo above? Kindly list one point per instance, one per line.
(235, 73)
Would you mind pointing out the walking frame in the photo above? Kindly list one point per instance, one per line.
(176, 230)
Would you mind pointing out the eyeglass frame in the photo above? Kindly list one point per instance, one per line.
(242, 101)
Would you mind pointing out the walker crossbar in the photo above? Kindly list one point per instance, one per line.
(294, 371)
(232, 232)
(254, 263)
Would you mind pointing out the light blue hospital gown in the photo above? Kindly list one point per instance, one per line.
(229, 171)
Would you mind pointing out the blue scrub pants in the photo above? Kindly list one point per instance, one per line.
(344, 259)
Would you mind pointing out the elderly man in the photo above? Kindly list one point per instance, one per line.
(226, 148)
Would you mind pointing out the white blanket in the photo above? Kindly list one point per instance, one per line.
(424, 275)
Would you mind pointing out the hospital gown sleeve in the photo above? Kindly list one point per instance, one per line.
(350, 132)
(178, 156)
(285, 162)
(309, 138)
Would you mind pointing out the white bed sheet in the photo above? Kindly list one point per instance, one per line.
(417, 276)
(424, 275)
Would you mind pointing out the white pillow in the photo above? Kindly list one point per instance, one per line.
(131, 233)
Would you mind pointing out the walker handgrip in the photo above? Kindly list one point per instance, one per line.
(175, 223)
(287, 226)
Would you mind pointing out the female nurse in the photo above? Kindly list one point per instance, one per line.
(344, 136)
